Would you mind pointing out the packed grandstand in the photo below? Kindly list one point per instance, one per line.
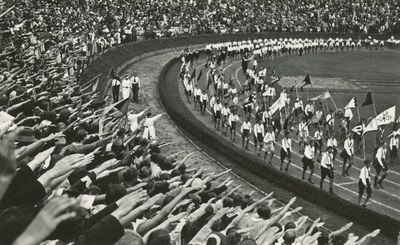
(80, 168)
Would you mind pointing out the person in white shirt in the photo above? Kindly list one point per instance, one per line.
(258, 135)
(269, 144)
(115, 89)
(149, 131)
(126, 87)
(298, 107)
(232, 121)
(266, 117)
(309, 110)
(203, 102)
(348, 115)
(212, 103)
(393, 147)
(330, 121)
(332, 142)
(347, 154)
(135, 81)
(380, 165)
(365, 183)
(245, 129)
(197, 97)
(286, 151)
(319, 142)
(308, 160)
(225, 111)
(327, 168)
(133, 119)
(217, 112)
(303, 134)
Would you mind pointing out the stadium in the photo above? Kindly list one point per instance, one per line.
(199, 122)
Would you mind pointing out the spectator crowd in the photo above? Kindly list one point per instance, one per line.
(73, 171)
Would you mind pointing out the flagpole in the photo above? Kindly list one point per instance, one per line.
(358, 113)
(84, 85)
(297, 91)
(307, 94)
(334, 103)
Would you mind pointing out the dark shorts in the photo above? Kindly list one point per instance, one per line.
(259, 138)
(362, 188)
(344, 154)
(393, 153)
(284, 154)
(197, 97)
(218, 114)
(246, 133)
(379, 167)
(233, 125)
(307, 163)
(326, 172)
(318, 143)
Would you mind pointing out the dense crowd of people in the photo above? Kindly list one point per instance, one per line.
(73, 171)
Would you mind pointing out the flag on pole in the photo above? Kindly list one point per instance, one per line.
(95, 85)
(359, 128)
(306, 81)
(368, 99)
(352, 103)
(122, 106)
(277, 105)
(323, 96)
(263, 73)
(200, 74)
(384, 118)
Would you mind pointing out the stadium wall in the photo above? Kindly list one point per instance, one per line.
(120, 57)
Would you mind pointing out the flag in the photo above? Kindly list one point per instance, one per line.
(352, 103)
(113, 75)
(122, 106)
(323, 96)
(200, 74)
(386, 117)
(263, 73)
(368, 99)
(359, 128)
(306, 81)
(193, 74)
(276, 79)
(95, 85)
(292, 88)
(277, 105)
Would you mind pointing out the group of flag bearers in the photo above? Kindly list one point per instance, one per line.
(270, 115)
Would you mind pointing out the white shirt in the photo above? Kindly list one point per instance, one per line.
(259, 129)
(330, 119)
(349, 146)
(126, 83)
(197, 92)
(318, 135)
(115, 82)
(381, 154)
(365, 174)
(212, 102)
(135, 80)
(217, 107)
(309, 108)
(269, 137)
(225, 111)
(204, 97)
(332, 143)
(245, 125)
(326, 160)
(233, 118)
(303, 129)
(287, 144)
(394, 142)
(309, 151)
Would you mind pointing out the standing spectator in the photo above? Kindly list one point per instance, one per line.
(393, 148)
(126, 87)
(116, 84)
(135, 83)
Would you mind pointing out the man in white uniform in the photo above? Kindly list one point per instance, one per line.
(126, 87)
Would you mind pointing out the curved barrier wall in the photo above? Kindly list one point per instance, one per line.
(122, 56)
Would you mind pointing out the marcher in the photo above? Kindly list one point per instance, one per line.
(308, 160)
(286, 151)
(327, 168)
(365, 183)
(380, 165)
(135, 81)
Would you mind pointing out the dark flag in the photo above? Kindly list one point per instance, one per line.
(193, 74)
(292, 88)
(122, 106)
(113, 75)
(368, 99)
(306, 81)
(359, 129)
(200, 74)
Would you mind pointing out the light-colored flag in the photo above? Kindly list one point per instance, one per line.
(263, 73)
(277, 105)
(384, 118)
(323, 96)
(352, 103)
